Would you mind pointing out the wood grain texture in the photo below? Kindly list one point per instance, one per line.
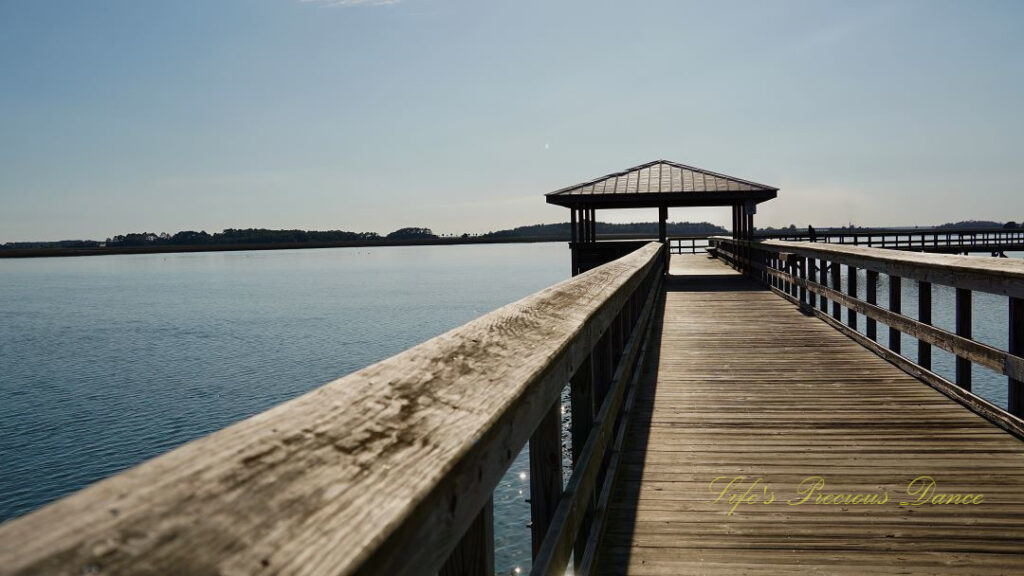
(380, 472)
(743, 383)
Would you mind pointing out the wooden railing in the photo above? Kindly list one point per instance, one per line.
(925, 239)
(996, 241)
(389, 470)
(688, 244)
(810, 275)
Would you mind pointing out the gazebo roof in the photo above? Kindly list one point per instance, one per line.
(661, 183)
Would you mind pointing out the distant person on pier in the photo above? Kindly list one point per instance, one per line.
(811, 233)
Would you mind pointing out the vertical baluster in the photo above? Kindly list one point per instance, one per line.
(802, 274)
(474, 554)
(545, 473)
(794, 273)
(924, 315)
(837, 286)
(851, 289)
(812, 271)
(615, 340)
(895, 305)
(823, 280)
(872, 298)
(588, 386)
(963, 328)
(1015, 392)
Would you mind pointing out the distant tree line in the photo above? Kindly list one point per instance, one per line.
(260, 236)
(989, 224)
(57, 244)
(562, 230)
(238, 236)
(558, 231)
(961, 225)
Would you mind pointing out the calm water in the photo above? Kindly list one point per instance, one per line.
(108, 361)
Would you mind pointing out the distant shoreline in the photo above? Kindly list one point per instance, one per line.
(169, 249)
(55, 251)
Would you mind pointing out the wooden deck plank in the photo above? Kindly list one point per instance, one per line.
(742, 384)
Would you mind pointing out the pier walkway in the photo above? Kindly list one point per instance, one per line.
(739, 384)
(721, 423)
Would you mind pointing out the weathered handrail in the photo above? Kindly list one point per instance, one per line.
(997, 240)
(805, 272)
(923, 239)
(389, 470)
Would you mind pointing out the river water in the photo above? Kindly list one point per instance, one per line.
(109, 361)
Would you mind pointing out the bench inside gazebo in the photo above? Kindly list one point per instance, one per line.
(659, 184)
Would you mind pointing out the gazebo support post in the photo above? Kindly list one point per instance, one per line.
(751, 209)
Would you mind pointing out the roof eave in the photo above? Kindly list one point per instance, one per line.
(656, 199)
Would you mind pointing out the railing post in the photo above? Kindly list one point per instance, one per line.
(474, 554)
(871, 290)
(837, 286)
(924, 315)
(545, 473)
(823, 280)
(581, 398)
(851, 289)
(615, 341)
(1015, 392)
(603, 368)
(895, 305)
(963, 328)
(812, 269)
(802, 273)
(764, 259)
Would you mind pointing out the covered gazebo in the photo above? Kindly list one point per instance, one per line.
(660, 184)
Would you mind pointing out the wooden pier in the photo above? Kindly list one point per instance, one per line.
(729, 416)
(744, 386)
(679, 383)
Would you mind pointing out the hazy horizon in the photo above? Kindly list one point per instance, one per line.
(444, 234)
(363, 115)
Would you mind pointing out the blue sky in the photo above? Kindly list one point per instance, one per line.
(367, 116)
